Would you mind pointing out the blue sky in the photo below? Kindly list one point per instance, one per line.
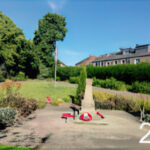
(94, 26)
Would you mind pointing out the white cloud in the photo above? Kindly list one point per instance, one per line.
(57, 5)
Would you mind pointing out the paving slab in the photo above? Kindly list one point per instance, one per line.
(121, 133)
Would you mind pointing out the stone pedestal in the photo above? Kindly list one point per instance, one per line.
(88, 104)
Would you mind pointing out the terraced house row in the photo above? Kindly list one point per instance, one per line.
(141, 53)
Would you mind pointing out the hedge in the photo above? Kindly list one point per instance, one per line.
(66, 72)
(140, 87)
(128, 73)
(111, 83)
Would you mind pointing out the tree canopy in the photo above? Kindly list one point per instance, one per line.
(51, 28)
(16, 53)
(33, 57)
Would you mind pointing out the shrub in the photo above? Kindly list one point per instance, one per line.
(24, 106)
(81, 86)
(28, 107)
(57, 102)
(57, 78)
(41, 103)
(111, 83)
(127, 73)
(74, 80)
(141, 87)
(44, 72)
(7, 117)
(101, 96)
(105, 100)
(3, 72)
(67, 99)
(122, 103)
(66, 72)
(9, 87)
(104, 105)
(147, 118)
(2, 79)
(20, 77)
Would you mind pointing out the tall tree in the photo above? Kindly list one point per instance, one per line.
(51, 28)
(16, 53)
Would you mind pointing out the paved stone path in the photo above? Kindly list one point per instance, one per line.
(122, 132)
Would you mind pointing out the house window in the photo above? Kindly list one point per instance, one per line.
(108, 63)
(116, 62)
(123, 62)
(137, 61)
(102, 63)
(128, 61)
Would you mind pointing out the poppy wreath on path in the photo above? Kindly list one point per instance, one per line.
(67, 115)
(86, 116)
(48, 99)
(98, 113)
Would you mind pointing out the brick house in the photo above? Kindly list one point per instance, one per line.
(141, 53)
(61, 64)
(86, 61)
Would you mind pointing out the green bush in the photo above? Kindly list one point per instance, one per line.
(2, 79)
(111, 83)
(74, 80)
(28, 107)
(67, 100)
(13, 101)
(57, 78)
(122, 103)
(127, 72)
(141, 87)
(81, 86)
(20, 77)
(3, 72)
(147, 118)
(105, 105)
(105, 100)
(44, 72)
(7, 117)
(24, 106)
(66, 72)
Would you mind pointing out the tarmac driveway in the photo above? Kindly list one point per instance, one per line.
(121, 133)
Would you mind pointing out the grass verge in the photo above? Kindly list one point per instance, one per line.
(7, 147)
(40, 89)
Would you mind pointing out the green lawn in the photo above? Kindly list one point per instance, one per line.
(5, 147)
(40, 89)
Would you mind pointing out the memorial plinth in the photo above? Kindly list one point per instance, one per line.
(88, 104)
